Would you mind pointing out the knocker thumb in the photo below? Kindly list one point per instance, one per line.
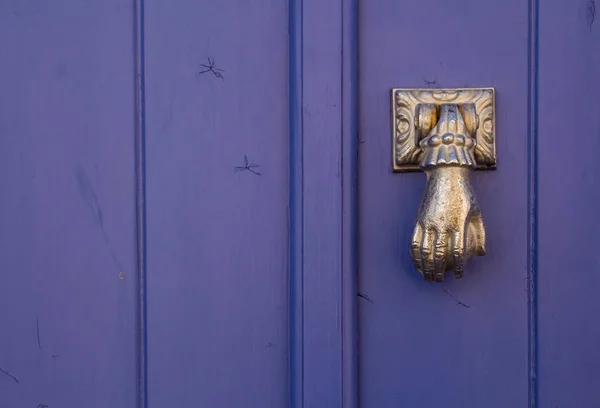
(476, 234)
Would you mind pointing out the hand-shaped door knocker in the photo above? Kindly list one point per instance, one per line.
(447, 134)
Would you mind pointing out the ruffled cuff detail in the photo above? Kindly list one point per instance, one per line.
(448, 149)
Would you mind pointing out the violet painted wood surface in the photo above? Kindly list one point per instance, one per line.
(248, 196)
(323, 162)
(67, 240)
(462, 343)
(217, 233)
(216, 225)
(569, 194)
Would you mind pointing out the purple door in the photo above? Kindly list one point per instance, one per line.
(520, 328)
(199, 209)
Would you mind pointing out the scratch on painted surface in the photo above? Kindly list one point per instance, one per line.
(458, 302)
(365, 297)
(9, 375)
(210, 67)
(247, 167)
(89, 195)
(37, 326)
(430, 83)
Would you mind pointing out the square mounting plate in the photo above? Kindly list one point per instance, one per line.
(405, 127)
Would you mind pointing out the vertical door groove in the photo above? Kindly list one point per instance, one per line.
(140, 201)
(532, 201)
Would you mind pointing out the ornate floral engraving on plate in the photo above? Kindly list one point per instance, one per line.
(415, 113)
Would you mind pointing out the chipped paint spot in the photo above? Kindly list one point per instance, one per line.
(121, 275)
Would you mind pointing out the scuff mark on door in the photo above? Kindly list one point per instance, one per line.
(89, 195)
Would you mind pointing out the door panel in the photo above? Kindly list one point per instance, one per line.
(461, 343)
(217, 196)
(248, 193)
(67, 219)
(569, 192)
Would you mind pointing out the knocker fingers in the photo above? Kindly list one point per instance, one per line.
(458, 253)
(433, 252)
(415, 247)
(439, 256)
(427, 253)
(429, 249)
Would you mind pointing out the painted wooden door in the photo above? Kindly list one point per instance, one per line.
(198, 208)
(519, 329)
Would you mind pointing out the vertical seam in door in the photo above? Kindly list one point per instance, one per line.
(349, 239)
(296, 207)
(532, 198)
(140, 203)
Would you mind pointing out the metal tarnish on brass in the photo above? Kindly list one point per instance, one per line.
(447, 133)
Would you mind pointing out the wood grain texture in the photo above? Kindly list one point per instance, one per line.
(217, 236)
(461, 343)
(569, 192)
(67, 223)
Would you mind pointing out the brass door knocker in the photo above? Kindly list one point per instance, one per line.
(446, 133)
